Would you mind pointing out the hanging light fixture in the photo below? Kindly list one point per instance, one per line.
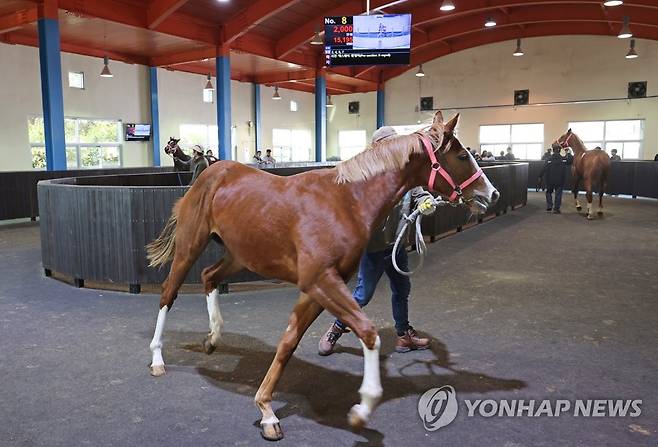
(519, 50)
(420, 73)
(447, 5)
(276, 95)
(330, 104)
(209, 86)
(632, 54)
(613, 3)
(625, 32)
(490, 22)
(317, 38)
(106, 73)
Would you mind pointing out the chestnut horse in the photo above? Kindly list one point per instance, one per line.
(589, 167)
(322, 220)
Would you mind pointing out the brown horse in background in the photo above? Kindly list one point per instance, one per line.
(311, 231)
(589, 167)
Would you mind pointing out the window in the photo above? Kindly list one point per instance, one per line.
(624, 135)
(293, 106)
(90, 143)
(202, 134)
(526, 140)
(76, 79)
(291, 144)
(351, 142)
(208, 95)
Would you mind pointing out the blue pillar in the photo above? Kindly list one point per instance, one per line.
(51, 93)
(381, 98)
(320, 117)
(223, 65)
(155, 115)
(257, 118)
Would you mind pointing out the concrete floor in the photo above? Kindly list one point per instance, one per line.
(526, 306)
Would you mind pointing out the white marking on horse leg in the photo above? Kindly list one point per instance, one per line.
(157, 363)
(371, 388)
(589, 209)
(271, 419)
(214, 317)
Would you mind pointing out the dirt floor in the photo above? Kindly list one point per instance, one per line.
(526, 306)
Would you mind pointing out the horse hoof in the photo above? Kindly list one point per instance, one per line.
(590, 217)
(157, 370)
(579, 208)
(208, 347)
(271, 431)
(357, 418)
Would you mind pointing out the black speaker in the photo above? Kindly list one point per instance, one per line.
(637, 89)
(353, 107)
(426, 103)
(521, 97)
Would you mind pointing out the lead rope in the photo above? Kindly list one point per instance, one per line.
(427, 205)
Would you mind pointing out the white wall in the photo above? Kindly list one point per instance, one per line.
(277, 114)
(562, 68)
(123, 97)
(338, 118)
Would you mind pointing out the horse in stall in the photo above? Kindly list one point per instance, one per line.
(323, 219)
(590, 167)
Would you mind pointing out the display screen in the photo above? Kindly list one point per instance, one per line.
(138, 132)
(383, 39)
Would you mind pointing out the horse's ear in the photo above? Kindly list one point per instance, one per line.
(438, 119)
(569, 131)
(450, 125)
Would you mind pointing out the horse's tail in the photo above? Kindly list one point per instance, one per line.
(162, 249)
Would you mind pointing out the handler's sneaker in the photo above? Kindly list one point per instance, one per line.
(328, 340)
(410, 341)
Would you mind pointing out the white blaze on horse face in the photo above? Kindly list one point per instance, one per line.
(214, 316)
(484, 188)
(156, 343)
(371, 388)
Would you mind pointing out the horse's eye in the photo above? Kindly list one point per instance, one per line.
(463, 157)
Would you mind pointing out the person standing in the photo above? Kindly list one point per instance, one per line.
(198, 163)
(258, 158)
(269, 160)
(377, 260)
(510, 155)
(554, 175)
(614, 156)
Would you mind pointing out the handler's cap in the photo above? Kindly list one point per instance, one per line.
(197, 148)
(382, 133)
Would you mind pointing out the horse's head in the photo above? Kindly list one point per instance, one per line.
(565, 140)
(453, 172)
(172, 146)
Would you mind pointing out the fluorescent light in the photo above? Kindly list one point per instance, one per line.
(632, 54)
(330, 104)
(613, 3)
(625, 32)
(420, 73)
(106, 73)
(276, 95)
(490, 22)
(519, 50)
(447, 5)
(209, 84)
(317, 39)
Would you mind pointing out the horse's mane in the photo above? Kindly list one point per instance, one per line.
(392, 153)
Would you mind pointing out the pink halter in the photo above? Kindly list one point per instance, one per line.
(565, 143)
(436, 167)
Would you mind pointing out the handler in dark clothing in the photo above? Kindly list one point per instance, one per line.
(554, 172)
(198, 163)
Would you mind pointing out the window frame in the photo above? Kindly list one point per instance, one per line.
(604, 142)
(280, 152)
(82, 73)
(340, 148)
(79, 145)
(509, 142)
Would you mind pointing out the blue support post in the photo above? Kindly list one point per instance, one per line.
(51, 93)
(155, 115)
(381, 98)
(320, 117)
(257, 118)
(223, 65)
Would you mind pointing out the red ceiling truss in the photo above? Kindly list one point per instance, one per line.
(268, 40)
